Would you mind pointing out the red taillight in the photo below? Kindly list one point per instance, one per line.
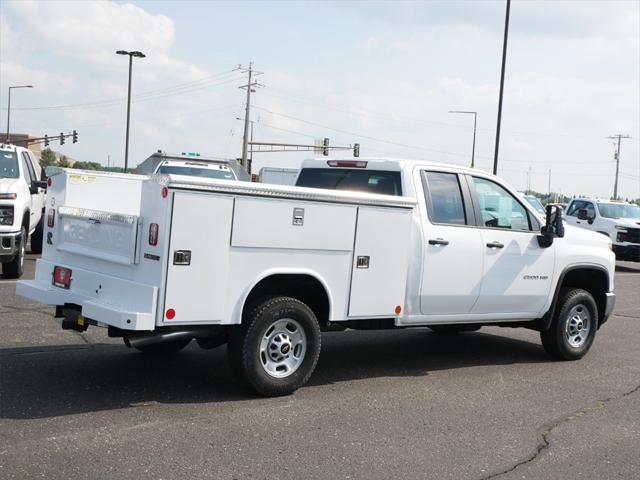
(61, 277)
(49, 181)
(51, 217)
(171, 314)
(347, 163)
(153, 234)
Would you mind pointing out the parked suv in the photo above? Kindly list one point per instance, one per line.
(21, 207)
(620, 221)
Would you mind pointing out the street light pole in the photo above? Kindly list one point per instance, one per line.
(9, 107)
(504, 60)
(126, 146)
(475, 119)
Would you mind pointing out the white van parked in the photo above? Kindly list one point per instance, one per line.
(273, 266)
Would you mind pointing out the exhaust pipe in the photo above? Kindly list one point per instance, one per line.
(143, 339)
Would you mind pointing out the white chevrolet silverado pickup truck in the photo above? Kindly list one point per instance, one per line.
(619, 221)
(272, 266)
(21, 206)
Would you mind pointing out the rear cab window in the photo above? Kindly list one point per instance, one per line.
(445, 202)
(384, 182)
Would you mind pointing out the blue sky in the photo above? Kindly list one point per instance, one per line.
(383, 74)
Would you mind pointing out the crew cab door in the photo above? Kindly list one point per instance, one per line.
(452, 259)
(517, 272)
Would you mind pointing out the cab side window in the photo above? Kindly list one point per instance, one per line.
(591, 210)
(576, 205)
(498, 208)
(27, 169)
(444, 203)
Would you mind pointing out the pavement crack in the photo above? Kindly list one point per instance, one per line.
(543, 433)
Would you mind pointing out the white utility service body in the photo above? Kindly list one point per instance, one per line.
(307, 256)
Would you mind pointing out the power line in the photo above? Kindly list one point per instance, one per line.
(186, 87)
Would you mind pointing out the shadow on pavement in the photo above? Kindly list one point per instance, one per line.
(50, 381)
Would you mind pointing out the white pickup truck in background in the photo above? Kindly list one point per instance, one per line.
(272, 266)
(21, 207)
(620, 221)
(193, 165)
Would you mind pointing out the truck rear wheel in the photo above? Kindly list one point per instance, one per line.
(275, 350)
(574, 325)
(36, 237)
(15, 268)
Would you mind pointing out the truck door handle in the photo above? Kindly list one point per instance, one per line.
(495, 245)
(438, 241)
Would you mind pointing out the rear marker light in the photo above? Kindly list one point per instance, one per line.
(165, 192)
(347, 163)
(171, 313)
(51, 218)
(153, 234)
(49, 181)
(61, 277)
(398, 309)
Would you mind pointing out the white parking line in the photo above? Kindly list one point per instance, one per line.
(8, 281)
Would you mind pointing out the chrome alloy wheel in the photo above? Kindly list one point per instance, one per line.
(578, 326)
(282, 348)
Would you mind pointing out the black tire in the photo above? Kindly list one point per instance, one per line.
(164, 348)
(15, 268)
(568, 337)
(36, 237)
(454, 328)
(262, 326)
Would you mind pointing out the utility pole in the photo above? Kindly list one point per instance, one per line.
(618, 139)
(549, 188)
(9, 108)
(250, 87)
(504, 60)
(529, 181)
(126, 144)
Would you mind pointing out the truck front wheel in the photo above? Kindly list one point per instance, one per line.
(276, 348)
(574, 325)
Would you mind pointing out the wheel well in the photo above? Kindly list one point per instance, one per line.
(305, 288)
(594, 281)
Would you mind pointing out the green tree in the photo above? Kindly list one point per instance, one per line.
(63, 162)
(47, 158)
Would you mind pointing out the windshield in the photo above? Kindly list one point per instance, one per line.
(535, 203)
(197, 172)
(373, 181)
(619, 210)
(8, 165)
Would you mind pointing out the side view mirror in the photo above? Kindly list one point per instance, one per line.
(36, 185)
(553, 227)
(583, 214)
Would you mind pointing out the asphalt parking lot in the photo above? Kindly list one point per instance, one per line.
(401, 404)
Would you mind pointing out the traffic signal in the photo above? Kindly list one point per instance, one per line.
(356, 149)
(61, 138)
(325, 147)
(46, 140)
(75, 136)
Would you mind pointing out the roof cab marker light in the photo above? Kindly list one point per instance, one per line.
(51, 218)
(153, 234)
(347, 163)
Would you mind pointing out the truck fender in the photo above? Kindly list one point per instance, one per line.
(545, 321)
(239, 308)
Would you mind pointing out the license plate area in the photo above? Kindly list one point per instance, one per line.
(61, 277)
